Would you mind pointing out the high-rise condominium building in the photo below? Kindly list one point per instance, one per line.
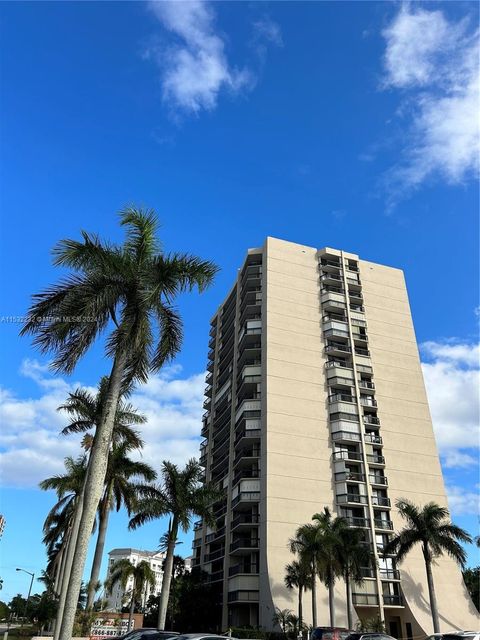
(315, 398)
(116, 599)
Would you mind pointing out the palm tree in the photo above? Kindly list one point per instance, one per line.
(180, 496)
(354, 556)
(121, 489)
(283, 617)
(85, 410)
(142, 575)
(329, 531)
(430, 527)
(298, 576)
(132, 287)
(58, 523)
(306, 544)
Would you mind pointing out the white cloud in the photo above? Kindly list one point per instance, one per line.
(32, 449)
(194, 69)
(267, 29)
(452, 379)
(434, 62)
(462, 501)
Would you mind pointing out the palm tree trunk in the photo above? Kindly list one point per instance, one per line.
(132, 606)
(331, 605)
(314, 594)
(97, 559)
(300, 608)
(69, 555)
(167, 575)
(349, 600)
(432, 595)
(97, 467)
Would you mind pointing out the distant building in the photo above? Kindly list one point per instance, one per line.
(116, 599)
(2, 524)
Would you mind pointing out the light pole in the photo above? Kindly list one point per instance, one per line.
(29, 591)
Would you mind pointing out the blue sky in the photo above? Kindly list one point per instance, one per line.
(350, 125)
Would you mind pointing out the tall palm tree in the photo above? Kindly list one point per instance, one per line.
(307, 545)
(329, 530)
(121, 489)
(182, 497)
(142, 575)
(354, 556)
(430, 527)
(298, 576)
(132, 287)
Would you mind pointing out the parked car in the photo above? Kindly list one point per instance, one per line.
(330, 633)
(201, 636)
(456, 635)
(148, 633)
(369, 635)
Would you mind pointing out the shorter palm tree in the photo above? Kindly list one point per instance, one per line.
(430, 527)
(307, 545)
(283, 617)
(298, 575)
(354, 557)
(180, 496)
(142, 575)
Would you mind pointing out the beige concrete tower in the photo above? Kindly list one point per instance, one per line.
(315, 398)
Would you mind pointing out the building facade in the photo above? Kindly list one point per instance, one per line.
(314, 398)
(117, 598)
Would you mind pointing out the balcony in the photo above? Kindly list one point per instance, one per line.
(247, 519)
(215, 535)
(341, 382)
(217, 576)
(245, 569)
(243, 596)
(373, 438)
(328, 262)
(334, 317)
(355, 521)
(340, 397)
(346, 436)
(349, 476)
(244, 543)
(333, 301)
(362, 352)
(245, 473)
(381, 501)
(366, 384)
(215, 555)
(347, 455)
(375, 459)
(367, 572)
(367, 419)
(393, 601)
(248, 434)
(384, 525)
(368, 401)
(389, 574)
(342, 368)
(377, 479)
(338, 347)
(331, 277)
(332, 332)
(246, 496)
(352, 498)
(365, 599)
(247, 455)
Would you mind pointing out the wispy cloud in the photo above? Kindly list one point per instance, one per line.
(463, 502)
(433, 61)
(452, 378)
(32, 449)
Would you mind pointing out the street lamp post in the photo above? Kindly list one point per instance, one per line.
(29, 592)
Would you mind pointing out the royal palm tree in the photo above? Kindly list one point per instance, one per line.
(129, 291)
(142, 575)
(354, 557)
(122, 488)
(307, 545)
(298, 576)
(430, 527)
(182, 496)
(329, 530)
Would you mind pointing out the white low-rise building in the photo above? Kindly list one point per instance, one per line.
(116, 599)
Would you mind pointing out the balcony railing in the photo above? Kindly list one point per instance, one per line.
(371, 419)
(381, 501)
(325, 262)
(341, 397)
(243, 596)
(245, 543)
(362, 352)
(349, 476)
(373, 438)
(345, 435)
(374, 459)
(337, 347)
(330, 289)
(245, 518)
(246, 496)
(355, 521)
(347, 455)
(337, 363)
(366, 384)
(375, 479)
(239, 568)
(393, 600)
(383, 524)
(335, 332)
(368, 401)
(389, 574)
(352, 497)
(365, 599)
